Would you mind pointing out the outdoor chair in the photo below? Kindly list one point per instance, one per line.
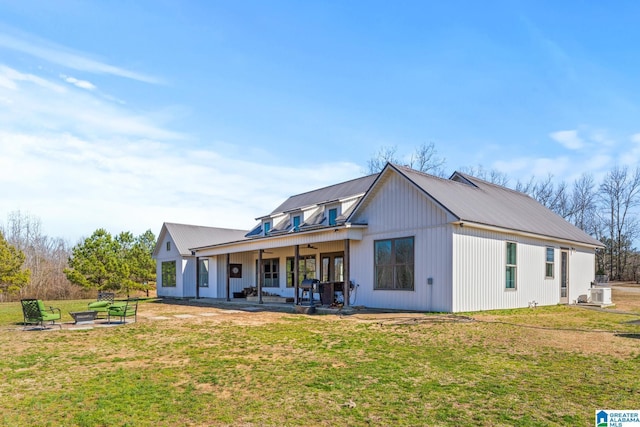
(35, 312)
(123, 310)
(103, 302)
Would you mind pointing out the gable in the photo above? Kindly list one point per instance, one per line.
(186, 237)
(395, 203)
(467, 199)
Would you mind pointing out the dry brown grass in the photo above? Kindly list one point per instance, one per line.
(203, 365)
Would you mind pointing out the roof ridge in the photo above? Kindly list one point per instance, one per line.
(428, 175)
(484, 181)
(203, 226)
(333, 185)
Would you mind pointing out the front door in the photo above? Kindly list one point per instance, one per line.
(332, 277)
(564, 277)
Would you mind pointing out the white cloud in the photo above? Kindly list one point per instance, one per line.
(37, 101)
(80, 163)
(524, 168)
(83, 84)
(568, 138)
(61, 55)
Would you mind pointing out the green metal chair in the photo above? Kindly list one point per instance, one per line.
(35, 312)
(123, 310)
(103, 302)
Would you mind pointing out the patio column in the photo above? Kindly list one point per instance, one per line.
(260, 275)
(296, 274)
(197, 277)
(228, 275)
(347, 267)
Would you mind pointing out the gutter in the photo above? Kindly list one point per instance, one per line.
(471, 224)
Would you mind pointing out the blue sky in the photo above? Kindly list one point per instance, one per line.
(123, 115)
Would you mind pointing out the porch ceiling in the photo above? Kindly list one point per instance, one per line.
(287, 240)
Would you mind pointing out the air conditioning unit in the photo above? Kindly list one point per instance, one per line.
(600, 295)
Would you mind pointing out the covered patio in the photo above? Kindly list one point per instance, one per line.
(268, 267)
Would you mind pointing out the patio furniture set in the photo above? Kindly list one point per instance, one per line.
(35, 312)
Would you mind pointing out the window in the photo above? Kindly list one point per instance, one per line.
(510, 282)
(333, 215)
(270, 271)
(394, 264)
(267, 228)
(296, 223)
(169, 274)
(332, 267)
(549, 264)
(168, 246)
(203, 280)
(306, 269)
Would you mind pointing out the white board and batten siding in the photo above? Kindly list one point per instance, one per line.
(399, 210)
(582, 267)
(185, 272)
(235, 284)
(479, 271)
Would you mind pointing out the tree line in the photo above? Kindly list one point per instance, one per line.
(33, 265)
(39, 266)
(607, 210)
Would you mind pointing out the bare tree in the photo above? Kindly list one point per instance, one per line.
(424, 159)
(619, 194)
(384, 155)
(584, 204)
(490, 175)
(45, 257)
(549, 194)
(525, 187)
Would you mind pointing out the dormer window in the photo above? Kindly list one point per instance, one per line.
(168, 246)
(295, 222)
(333, 215)
(267, 228)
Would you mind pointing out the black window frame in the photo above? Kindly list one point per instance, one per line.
(303, 262)
(203, 279)
(393, 269)
(166, 274)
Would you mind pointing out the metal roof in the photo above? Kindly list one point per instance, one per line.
(489, 204)
(327, 194)
(186, 237)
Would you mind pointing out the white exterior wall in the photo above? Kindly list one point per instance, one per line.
(582, 267)
(210, 291)
(235, 285)
(400, 210)
(188, 277)
(479, 271)
(185, 272)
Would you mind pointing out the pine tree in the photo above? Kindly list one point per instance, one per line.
(12, 275)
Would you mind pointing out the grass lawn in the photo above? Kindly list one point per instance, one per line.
(205, 366)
